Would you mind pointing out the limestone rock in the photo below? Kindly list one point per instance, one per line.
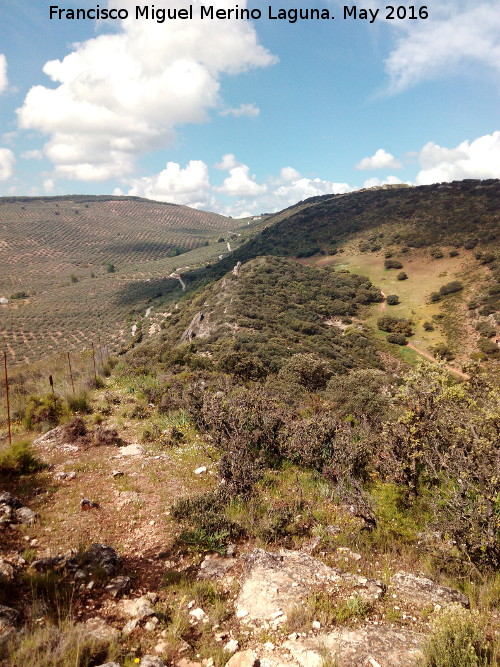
(97, 628)
(65, 476)
(151, 661)
(50, 437)
(359, 647)
(109, 664)
(198, 614)
(232, 646)
(131, 450)
(138, 609)
(6, 570)
(98, 557)
(215, 567)
(279, 582)
(424, 592)
(243, 659)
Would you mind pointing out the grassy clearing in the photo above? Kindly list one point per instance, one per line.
(425, 275)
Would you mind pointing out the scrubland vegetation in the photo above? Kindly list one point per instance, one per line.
(294, 382)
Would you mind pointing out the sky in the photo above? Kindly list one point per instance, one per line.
(244, 116)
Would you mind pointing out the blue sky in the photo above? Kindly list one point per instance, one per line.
(244, 117)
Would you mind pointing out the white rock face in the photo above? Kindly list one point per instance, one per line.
(131, 450)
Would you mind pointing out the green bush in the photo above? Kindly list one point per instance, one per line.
(43, 411)
(392, 264)
(402, 276)
(458, 639)
(451, 288)
(19, 459)
(397, 339)
(392, 300)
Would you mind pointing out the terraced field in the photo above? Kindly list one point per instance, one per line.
(86, 262)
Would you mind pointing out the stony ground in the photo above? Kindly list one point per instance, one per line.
(98, 517)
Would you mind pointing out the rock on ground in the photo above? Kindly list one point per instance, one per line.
(242, 659)
(359, 647)
(279, 582)
(421, 591)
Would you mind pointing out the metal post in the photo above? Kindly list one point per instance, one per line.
(7, 395)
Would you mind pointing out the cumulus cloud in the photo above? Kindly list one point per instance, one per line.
(240, 183)
(227, 162)
(121, 95)
(381, 160)
(4, 82)
(456, 33)
(7, 162)
(250, 110)
(189, 186)
(241, 194)
(477, 159)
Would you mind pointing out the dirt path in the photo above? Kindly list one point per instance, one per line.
(428, 356)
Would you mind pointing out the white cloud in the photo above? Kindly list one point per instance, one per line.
(4, 82)
(121, 95)
(380, 160)
(49, 185)
(243, 110)
(227, 162)
(35, 154)
(477, 159)
(455, 34)
(240, 183)
(189, 186)
(7, 162)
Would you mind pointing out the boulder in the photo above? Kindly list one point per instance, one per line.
(359, 647)
(137, 609)
(151, 661)
(243, 659)
(275, 583)
(118, 586)
(97, 628)
(422, 592)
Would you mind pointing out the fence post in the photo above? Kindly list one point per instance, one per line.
(51, 382)
(7, 395)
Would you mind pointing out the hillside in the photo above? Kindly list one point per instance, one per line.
(295, 461)
(82, 262)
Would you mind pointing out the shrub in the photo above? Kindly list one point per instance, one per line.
(397, 339)
(401, 276)
(42, 411)
(451, 288)
(19, 459)
(435, 297)
(392, 299)
(307, 370)
(392, 264)
(437, 253)
(428, 326)
(488, 347)
(442, 351)
(454, 253)
(18, 295)
(64, 645)
(395, 325)
(458, 638)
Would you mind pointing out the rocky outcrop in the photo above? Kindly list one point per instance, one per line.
(12, 511)
(368, 645)
(423, 592)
